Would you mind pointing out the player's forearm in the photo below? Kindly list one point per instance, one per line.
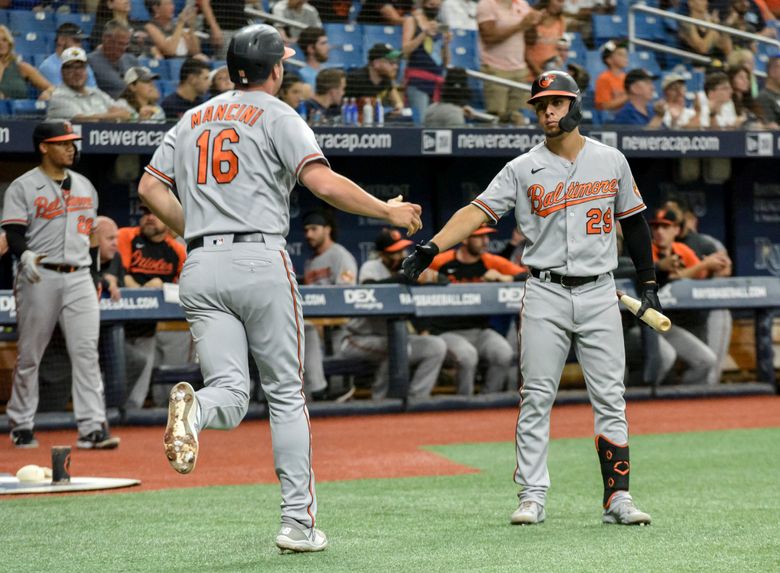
(342, 193)
(156, 195)
(464, 222)
(638, 243)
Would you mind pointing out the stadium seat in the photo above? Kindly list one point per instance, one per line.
(4, 17)
(32, 43)
(174, 67)
(649, 27)
(464, 50)
(28, 108)
(22, 21)
(346, 44)
(166, 87)
(380, 34)
(138, 11)
(644, 59)
(160, 67)
(609, 27)
(695, 83)
(594, 66)
(5, 107)
(85, 21)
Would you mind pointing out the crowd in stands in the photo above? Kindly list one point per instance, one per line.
(397, 54)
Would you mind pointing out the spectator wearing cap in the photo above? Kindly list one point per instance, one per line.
(426, 49)
(110, 60)
(69, 35)
(219, 81)
(141, 96)
(610, 85)
(377, 79)
(542, 40)
(325, 105)
(459, 14)
(73, 100)
(714, 105)
(191, 91)
(470, 339)
(639, 110)
(387, 12)
(367, 336)
(677, 113)
(172, 37)
(299, 11)
(673, 261)
(502, 26)
(331, 264)
(315, 48)
(15, 75)
(769, 97)
(453, 108)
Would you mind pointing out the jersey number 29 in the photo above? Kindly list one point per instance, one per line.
(599, 221)
(224, 163)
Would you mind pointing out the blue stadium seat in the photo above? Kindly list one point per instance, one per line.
(216, 64)
(4, 17)
(166, 87)
(380, 35)
(85, 21)
(649, 27)
(174, 67)
(464, 49)
(696, 81)
(28, 108)
(576, 41)
(156, 67)
(594, 66)
(32, 43)
(22, 21)
(644, 59)
(138, 11)
(346, 44)
(609, 27)
(5, 107)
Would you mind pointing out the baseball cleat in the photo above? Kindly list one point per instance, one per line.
(298, 539)
(24, 439)
(181, 437)
(529, 513)
(98, 440)
(624, 512)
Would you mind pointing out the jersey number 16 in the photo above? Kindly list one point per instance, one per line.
(224, 163)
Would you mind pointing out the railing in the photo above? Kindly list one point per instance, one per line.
(641, 7)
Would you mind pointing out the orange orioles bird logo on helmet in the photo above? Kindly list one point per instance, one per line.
(545, 81)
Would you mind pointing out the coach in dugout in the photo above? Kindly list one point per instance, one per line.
(469, 338)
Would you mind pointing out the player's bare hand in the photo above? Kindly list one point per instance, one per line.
(405, 215)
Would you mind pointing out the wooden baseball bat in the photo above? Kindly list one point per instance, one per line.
(655, 319)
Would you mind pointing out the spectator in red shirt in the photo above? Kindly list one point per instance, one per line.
(470, 339)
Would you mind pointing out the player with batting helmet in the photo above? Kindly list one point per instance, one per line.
(234, 161)
(567, 194)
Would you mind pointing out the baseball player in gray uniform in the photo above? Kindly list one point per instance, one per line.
(567, 194)
(233, 162)
(48, 214)
(331, 264)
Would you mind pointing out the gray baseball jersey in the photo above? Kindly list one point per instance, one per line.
(234, 161)
(567, 211)
(250, 140)
(58, 222)
(336, 266)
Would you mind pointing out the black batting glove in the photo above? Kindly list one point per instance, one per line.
(419, 260)
(649, 298)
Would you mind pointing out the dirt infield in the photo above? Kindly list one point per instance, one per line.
(383, 446)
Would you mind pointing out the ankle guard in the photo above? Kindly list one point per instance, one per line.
(615, 467)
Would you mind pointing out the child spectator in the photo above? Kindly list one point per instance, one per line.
(17, 76)
(610, 85)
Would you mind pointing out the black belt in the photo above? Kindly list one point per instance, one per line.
(61, 268)
(566, 281)
(197, 242)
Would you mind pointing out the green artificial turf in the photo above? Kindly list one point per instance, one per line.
(713, 496)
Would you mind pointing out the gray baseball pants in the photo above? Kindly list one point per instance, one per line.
(241, 298)
(71, 299)
(468, 346)
(552, 318)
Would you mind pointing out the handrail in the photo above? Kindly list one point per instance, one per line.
(277, 19)
(641, 7)
(633, 40)
(497, 80)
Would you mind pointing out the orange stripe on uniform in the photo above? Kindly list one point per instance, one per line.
(520, 371)
(300, 376)
(634, 210)
(160, 175)
(488, 211)
(305, 160)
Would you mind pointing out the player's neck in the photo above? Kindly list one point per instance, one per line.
(54, 171)
(323, 248)
(567, 145)
(464, 256)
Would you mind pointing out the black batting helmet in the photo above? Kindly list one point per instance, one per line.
(558, 83)
(253, 52)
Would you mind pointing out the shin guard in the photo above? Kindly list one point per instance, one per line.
(615, 467)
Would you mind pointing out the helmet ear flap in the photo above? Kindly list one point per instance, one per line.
(574, 116)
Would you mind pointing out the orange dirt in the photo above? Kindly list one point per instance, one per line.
(383, 446)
